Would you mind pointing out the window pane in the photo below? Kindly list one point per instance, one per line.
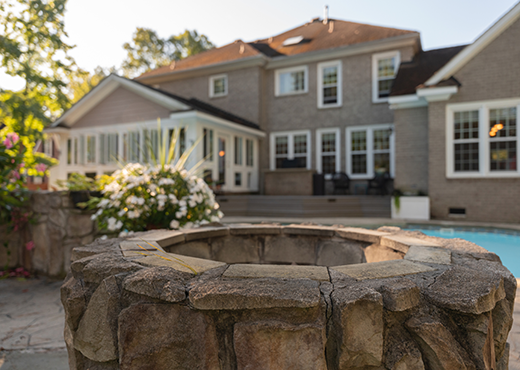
(466, 157)
(466, 125)
(76, 147)
(301, 162)
(330, 95)
(328, 143)
(219, 86)
(91, 149)
(281, 145)
(102, 148)
(330, 75)
(384, 87)
(69, 151)
(300, 144)
(502, 122)
(221, 161)
(328, 163)
(359, 163)
(238, 150)
(249, 152)
(359, 140)
(382, 139)
(382, 162)
(386, 67)
(292, 82)
(502, 156)
(238, 179)
(208, 144)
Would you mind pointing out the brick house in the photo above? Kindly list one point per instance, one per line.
(328, 96)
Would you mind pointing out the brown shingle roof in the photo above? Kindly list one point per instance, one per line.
(316, 36)
(413, 74)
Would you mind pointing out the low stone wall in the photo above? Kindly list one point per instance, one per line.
(288, 181)
(57, 227)
(211, 298)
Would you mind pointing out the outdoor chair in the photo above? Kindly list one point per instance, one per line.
(379, 183)
(341, 182)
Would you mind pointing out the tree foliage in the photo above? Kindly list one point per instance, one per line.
(148, 51)
(32, 47)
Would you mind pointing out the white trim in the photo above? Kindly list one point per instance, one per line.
(460, 60)
(339, 89)
(290, 146)
(319, 154)
(369, 150)
(212, 86)
(406, 101)
(434, 94)
(218, 121)
(279, 72)
(483, 107)
(375, 76)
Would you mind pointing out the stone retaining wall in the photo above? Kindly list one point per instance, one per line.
(211, 298)
(57, 228)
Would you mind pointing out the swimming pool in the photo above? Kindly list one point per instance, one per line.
(506, 244)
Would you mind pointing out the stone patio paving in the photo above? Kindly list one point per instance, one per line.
(31, 326)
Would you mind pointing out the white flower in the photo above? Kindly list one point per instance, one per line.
(188, 225)
(103, 203)
(112, 224)
(140, 201)
(192, 203)
(119, 225)
(121, 212)
(216, 206)
(174, 224)
(215, 219)
(182, 203)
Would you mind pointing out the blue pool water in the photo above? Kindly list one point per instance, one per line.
(506, 245)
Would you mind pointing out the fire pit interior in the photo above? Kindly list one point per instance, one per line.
(287, 297)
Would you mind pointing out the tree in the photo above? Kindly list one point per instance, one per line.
(81, 82)
(148, 51)
(32, 47)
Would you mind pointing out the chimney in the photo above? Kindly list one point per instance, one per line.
(326, 14)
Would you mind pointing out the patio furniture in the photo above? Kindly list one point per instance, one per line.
(379, 183)
(341, 182)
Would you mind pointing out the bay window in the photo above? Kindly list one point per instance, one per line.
(370, 149)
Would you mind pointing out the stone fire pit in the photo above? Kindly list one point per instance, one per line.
(287, 297)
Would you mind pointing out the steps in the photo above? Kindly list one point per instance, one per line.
(305, 206)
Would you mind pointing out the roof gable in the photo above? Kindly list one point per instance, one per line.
(476, 47)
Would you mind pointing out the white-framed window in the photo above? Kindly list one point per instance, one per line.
(69, 151)
(207, 146)
(238, 150)
(328, 150)
(290, 149)
(370, 149)
(112, 148)
(384, 70)
(48, 147)
(218, 86)
(482, 139)
(289, 81)
(329, 84)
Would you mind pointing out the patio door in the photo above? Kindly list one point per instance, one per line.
(223, 159)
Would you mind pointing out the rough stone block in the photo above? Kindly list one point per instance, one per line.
(205, 233)
(236, 249)
(385, 269)
(290, 249)
(96, 268)
(242, 294)
(502, 323)
(79, 224)
(378, 253)
(56, 256)
(180, 263)
(278, 346)
(277, 271)
(42, 246)
(159, 282)
(403, 242)
(96, 337)
(364, 235)
(248, 229)
(140, 246)
(340, 252)
(439, 348)
(166, 337)
(74, 300)
(400, 294)
(439, 256)
(198, 249)
(313, 230)
(164, 238)
(357, 327)
(58, 217)
(466, 290)
(40, 202)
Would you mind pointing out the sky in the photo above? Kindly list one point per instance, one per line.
(99, 28)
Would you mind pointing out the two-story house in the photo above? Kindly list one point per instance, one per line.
(313, 98)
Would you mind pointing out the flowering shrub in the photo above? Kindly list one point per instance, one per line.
(143, 197)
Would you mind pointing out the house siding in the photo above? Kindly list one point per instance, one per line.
(492, 74)
(411, 149)
(243, 98)
(122, 106)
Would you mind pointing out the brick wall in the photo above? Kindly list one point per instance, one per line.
(411, 149)
(493, 74)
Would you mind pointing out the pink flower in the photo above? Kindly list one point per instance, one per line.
(8, 144)
(40, 167)
(16, 175)
(13, 136)
(29, 246)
